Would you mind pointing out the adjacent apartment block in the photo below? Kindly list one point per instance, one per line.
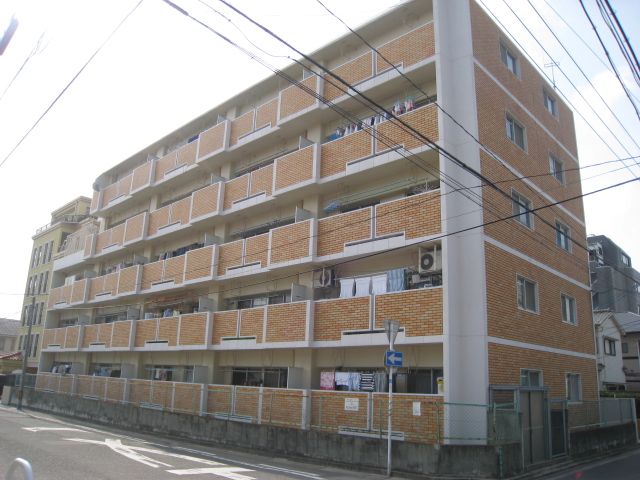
(613, 279)
(47, 242)
(264, 243)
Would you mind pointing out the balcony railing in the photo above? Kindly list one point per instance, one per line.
(187, 331)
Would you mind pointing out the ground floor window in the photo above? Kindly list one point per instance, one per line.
(169, 373)
(259, 377)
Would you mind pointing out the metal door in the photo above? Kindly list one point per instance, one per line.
(534, 425)
(558, 427)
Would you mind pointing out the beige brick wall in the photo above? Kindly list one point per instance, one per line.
(505, 363)
(225, 324)
(141, 176)
(174, 269)
(186, 397)
(257, 249)
(539, 243)
(235, 190)
(293, 99)
(241, 126)
(528, 88)
(205, 200)
(428, 427)
(408, 49)
(328, 412)
(290, 242)
(158, 218)
(145, 330)
(294, 168)
(493, 105)
(115, 389)
(417, 216)
(72, 334)
(335, 231)
(103, 284)
(230, 256)
(266, 114)
(100, 333)
(262, 180)
(418, 311)
(180, 211)
(392, 134)
(286, 322)
(127, 279)
(335, 155)
(211, 140)
(78, 290)
(219, 399)
(151, 272)
(506, 320)
(332, 317)
(193, 329)
(121, 333)
(251, 323)
(282, 407)
(353, 72)
(133, 228)
(199, 263)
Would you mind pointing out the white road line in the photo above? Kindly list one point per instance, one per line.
(53, 429)
(225, 472)
(298, 473)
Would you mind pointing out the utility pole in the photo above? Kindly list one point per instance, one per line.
(25, 352)
(392, 359)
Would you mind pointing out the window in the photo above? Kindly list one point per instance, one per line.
(33, 257)
(44, 255)
(522, 208)
(40, 313)
(46, 281)
(509, 59)
(626, 261)
(550, 103)
(50, 251)
(625, 347)
(556, 168)
(574, 387)
(562, 236)
(609, 346)
(35, 344)
(515, 132)
(530, 378)
(568, 309)
(527, 294)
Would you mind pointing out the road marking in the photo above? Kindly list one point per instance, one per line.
(53, 429)
(132, 452)
(226, 472)
(292, 472)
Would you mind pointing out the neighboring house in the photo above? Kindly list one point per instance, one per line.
(8, 335)
(610, 346)
(265, 242)
(47, 242)
(614, 282)
(630, 349)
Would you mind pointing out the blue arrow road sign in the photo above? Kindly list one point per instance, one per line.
(392, 359)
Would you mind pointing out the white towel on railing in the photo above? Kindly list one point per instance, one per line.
(363, 286)
(346, 287)
(379, 284)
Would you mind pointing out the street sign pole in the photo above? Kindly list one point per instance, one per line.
(391, 327)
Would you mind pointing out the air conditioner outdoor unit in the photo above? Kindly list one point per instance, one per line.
(430, 260)
(324, 278)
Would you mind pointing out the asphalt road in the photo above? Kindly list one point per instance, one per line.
(62, 449)
(621, 467)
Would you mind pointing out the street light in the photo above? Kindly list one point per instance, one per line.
(391, 328)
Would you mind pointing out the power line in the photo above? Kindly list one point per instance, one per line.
(73, 79)
(623, 43)
(572, 84)
(418, 134)
(606, 104)
(411, 244)
(613, 66)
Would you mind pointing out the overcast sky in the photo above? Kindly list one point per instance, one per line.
(160, 70)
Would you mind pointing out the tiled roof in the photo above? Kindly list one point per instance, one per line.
(9, 327)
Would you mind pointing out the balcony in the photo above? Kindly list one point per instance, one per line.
(175, 163)
(296, 169)
(292, 244)
(271, 326)
(206, 202)
(163, 274)
(295, 101)
(383, 226)
(169, 218)
(68, 295)
(61, 338)
(358, 321)
(107, 336)
(243, 256)
(184, 332)
(251, 188)
(253, 123)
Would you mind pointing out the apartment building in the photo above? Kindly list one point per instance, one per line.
(614, 281)
(47, 243)
(265, 242)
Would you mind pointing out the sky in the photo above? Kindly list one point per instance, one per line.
(160, 69)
